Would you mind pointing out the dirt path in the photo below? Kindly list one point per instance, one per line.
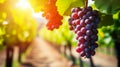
(2, 58)
(43, 55)
(100, 60)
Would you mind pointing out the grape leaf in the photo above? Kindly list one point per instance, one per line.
(106, 20)
(64, 6)
(75, 3)
(108, 6)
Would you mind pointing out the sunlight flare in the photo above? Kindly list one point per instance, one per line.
(23, 4)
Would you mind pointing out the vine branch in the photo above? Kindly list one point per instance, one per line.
(86, 3)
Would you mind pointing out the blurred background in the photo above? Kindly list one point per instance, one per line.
(25, 40)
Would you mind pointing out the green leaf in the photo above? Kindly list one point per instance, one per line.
(64, 6)
(108, 6)
(106, 20)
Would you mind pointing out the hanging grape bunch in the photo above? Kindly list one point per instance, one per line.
(52, 15)
(84, 22)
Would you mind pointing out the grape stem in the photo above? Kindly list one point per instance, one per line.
(86, 3)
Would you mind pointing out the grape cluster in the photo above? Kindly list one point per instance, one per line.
(84, 22)
(52, 15)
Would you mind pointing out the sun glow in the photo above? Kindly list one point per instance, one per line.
(23, 4)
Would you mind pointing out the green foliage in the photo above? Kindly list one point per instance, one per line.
(105, 20)
(64, 6)
(16, 23)
(108, 6)
(105, 38)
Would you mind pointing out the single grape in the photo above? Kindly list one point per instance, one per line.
(81, 39)
(87, 21)
(74, 15)
(88, 27)
(78, 49)
(77, 21)
(82, 53)
(88, 55)
(79, 33)
(83, 30)
(92, 53)
(82, 23)
(86, 44)
(80, 13)
(73, 10)
(88, 32)
(87, 38)
(78, 27)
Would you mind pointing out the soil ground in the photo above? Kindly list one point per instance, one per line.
(42, 54)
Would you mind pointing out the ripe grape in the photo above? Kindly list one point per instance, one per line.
(84, 22)
(53, 17)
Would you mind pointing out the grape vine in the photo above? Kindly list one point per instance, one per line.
(84, 22)
(52, 15)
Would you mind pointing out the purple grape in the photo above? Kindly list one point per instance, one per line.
(78, 27)
(84, 10)
(88, 26)
(95, 31)
(84, 22)
(92, 47)
(89, 8)
(87, 38)
(79, 33)
(84, 17)
(82, 53)
(86, 44)
(95, 12)
(83, 30)
(87, 50)
(88, 32)
(91, 18)
(81, 39)
(80, 13)
(74, 15)
(77, 21)
(89, 13)
(73, 10)
(87, 21)
(93, 53)
(70, 21)
(88, 55)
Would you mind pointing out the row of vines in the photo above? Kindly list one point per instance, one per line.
(18, 27)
